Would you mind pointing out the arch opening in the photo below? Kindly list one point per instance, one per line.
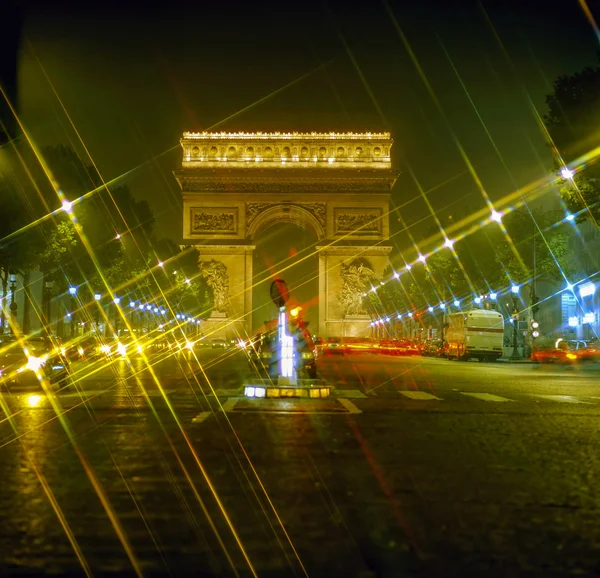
(286, 250)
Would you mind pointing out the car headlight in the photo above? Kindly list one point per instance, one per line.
(34, 363)
(140, 348)
(80, 350)
(121, 349)
(105, 348)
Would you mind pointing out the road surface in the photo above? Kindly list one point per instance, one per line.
(414, 467)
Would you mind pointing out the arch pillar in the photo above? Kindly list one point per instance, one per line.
(229, 269)
(344, 275)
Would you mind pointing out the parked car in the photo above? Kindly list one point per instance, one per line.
(25, 361)
(392, 347)
(219, 344)
(433, 348)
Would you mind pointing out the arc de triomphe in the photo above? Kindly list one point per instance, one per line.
(235, 185)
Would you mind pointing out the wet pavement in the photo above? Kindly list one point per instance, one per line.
(414, 467)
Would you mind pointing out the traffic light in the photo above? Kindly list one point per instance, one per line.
(534, 329)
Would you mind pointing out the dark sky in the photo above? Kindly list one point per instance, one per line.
(132, 81)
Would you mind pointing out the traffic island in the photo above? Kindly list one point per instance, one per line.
(287, 388)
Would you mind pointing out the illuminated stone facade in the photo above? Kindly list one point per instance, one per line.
(235, 185)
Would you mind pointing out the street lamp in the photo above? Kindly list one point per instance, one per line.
(117, 301)
(567, 174)
(13, 304)
(73, 293)
(48, 303)
(97, 297)
(515, 320)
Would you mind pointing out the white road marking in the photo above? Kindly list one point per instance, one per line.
(201, 416)
(96, 392)
(487, 397)
(419, 395)
(561, 398)
(353, 394)
(229, 404)
(349, 405)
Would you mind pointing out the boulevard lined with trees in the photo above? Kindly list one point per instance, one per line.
(96, 241)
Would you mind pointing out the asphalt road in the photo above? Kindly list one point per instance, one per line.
(414, 467)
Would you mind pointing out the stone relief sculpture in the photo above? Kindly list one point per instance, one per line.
(254, 209)
(318, 210)
(217, 279)
(366, 223)
(213, 222)
(356, 280)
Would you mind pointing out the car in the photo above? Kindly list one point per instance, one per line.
(586, 351)
(219, 344)
(560, 351)
(26, 360)
(392, 347)
(433, 348)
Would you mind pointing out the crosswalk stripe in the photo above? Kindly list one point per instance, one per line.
(561, 398)
(486, 396)
(419, 395)
(201, 417)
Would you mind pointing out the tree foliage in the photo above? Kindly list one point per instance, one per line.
(573, 123)
(483, 263)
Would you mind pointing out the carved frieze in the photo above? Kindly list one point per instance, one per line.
(358, 221)
(218, 220)
(318, 210)
(366, 223)
(208, 185)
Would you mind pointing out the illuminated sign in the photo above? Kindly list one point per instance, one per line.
(587, 289)
(589, 318)
(573, 322)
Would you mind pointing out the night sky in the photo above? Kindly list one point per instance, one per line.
(132, 81)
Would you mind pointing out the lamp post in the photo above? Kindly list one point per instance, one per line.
(117, 302)
(13, 304)
(48, 304)
(97, 297)
(515, 319)
(73, 293)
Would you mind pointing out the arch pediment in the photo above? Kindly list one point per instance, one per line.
(310, 217)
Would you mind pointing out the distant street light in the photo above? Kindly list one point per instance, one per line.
(566, 173)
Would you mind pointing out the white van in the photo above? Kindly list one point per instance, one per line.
(478, 333)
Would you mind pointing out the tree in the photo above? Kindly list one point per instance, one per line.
(572, 121)
(535, 238)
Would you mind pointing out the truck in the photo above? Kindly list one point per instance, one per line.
(475, 334)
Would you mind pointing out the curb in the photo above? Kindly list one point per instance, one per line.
(521, 361)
